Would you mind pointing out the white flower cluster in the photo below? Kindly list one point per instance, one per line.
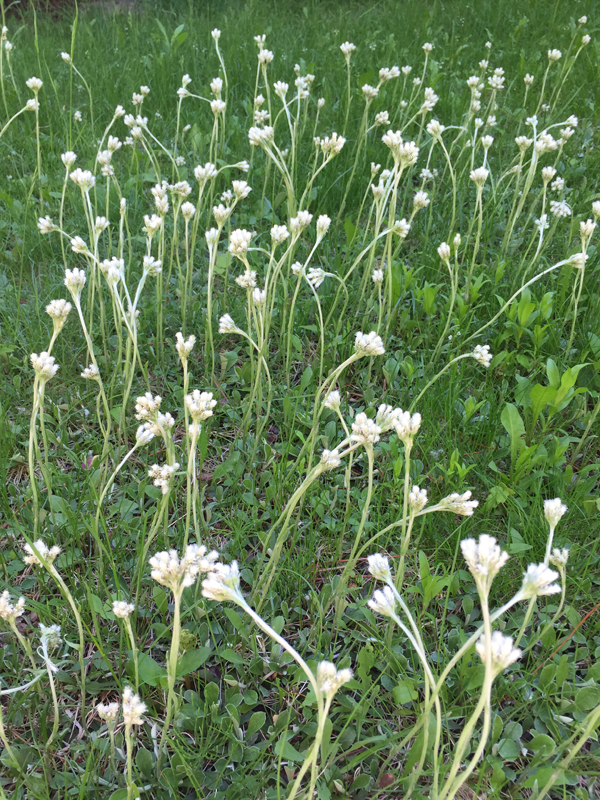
(44, 366)
(368, 344)
(503, 652)
(162, 476)
(329, 679)
(8, 610)
(47, 554)
(175, 573)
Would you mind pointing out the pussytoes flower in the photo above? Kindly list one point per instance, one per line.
(383, 602)
(163, 476)
(239, 241)
(406, 426)
(417, 499)
(200, 405)
(332, 401)
(133, 708)
(459, 503)
(175, 573)
(379, 567)
(184, 346)
(481, 353)
(315, 276)
(75, 281)
(330, 459)
(377, 277)
(368, 344)
(58, 310)
(365, 430)
(44, 365)
(503, 652)
(108, 712)
(48, 554)
(484, 558)
(554, 511)
(559, 558)
(122, 610)
(247, 280)
(91, 373)
(479, 176)
(329, 680)
(279, 233)
(227, 325)
(10, 611)
(223, 583)
(538, 581)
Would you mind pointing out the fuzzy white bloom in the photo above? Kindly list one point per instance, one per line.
(79, 246)
(329, 680)
(459, 503)
(212, 237)
(175, 573)
(68, 158)
(205, 173)
(545, 143)
(382, 118)
(133, 708)
(91, 373)
(247, 280)
(435, 128)
(347, 49)
(559, 558)
(444, 252)
(297, 268)
(377, 277)
(152, 224)
(427, 48)
(481, 353)
(330, 459)
(259, 297)
(147, 406)
(421, 200)
(163, 476)
(58, 311)
(365, 430)
(184, 346)
(241, 189)
(401, 228)
(35, 84)
(227, 325)
(221, 214)
(32, 104)
(379, 567)
(300, 222)
(554, 55)
(417, 499)
(539, 580)
(406, 70)
(582, 20)
(143, 435)
(259, 137)
(239, 241)
(547, 174)
(279, 233)
(479, 176)
(370, 92)
(45, 225)
(200, 405)
(281, 89)
(554, 511)
(223, 583)
(383, 602)
(487, 142)
(503, 652)
(9, 611)
(578, 260)
(484, 558)
(406, 426)
(332, 401)
(216, 86)
(496, 82)
(586, 229)
(188, 210)
(100, 224)
(44, 366)
(48, 554)
(559, 208)
(558, 184)
(368, 344)
(596, 209)
(108, 712)
(323, 223)
(152, 266)
(265, 57)
(83, 178)
(315, 276)
(585, 39)
(75, 281)
(216, 34)
(122, 609)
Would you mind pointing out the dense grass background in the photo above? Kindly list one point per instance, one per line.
(246, 488)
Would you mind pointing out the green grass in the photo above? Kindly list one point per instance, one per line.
(245, 719)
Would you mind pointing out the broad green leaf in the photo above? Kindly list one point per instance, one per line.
(541, 745)
(513, 424)
(192, 660)
(257, 720)
(150, 671)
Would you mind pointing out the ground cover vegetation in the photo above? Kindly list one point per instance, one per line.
(299, 410)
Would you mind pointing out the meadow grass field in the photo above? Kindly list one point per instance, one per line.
(299, 400)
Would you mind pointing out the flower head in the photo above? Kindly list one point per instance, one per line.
(365, 430)
(406, 426)
(239, 241)
(184, 346)
(58, 310)
(122, 609)
(417, 499)
(484, 558)
(368, 344)
(332, 401)
(539, 580)
(481, 353)
(108, 712)
(559, 558)
(35, 84)
(554, 511)
(8, 610)
(163, 476)
(379, 567)
(330, 459)
(47, 554)
(133, 708)
(383, 602)
(75, 281)
(223, 583)
(44, 365)
(459, 503)
(479, 176)
(200, 405)
(83, 178)
(175, 573)
(503, 653)
(227, 325)
(329, 680)
(91, 373)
